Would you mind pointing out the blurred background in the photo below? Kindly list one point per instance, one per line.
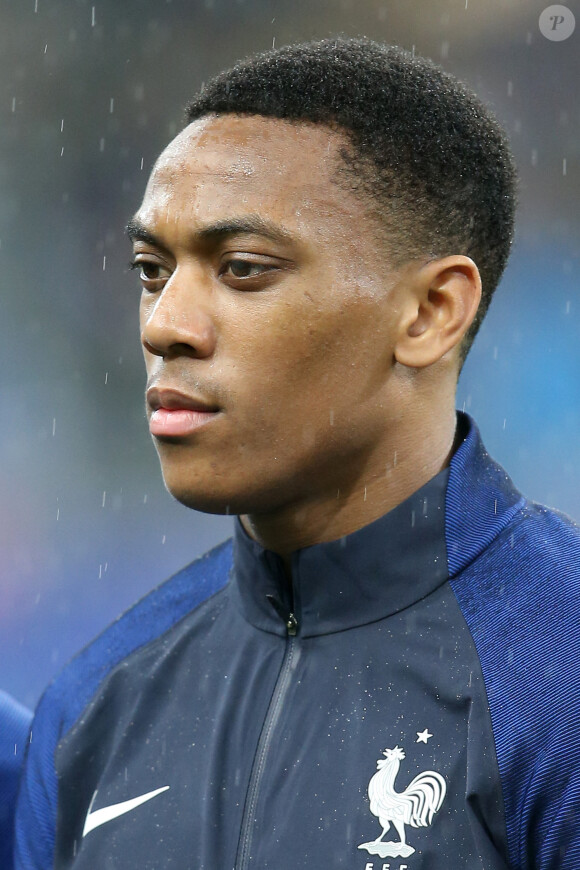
(90, 92)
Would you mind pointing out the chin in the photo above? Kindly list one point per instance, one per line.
(206, 501)
(221, 494)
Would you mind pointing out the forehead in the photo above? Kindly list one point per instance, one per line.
(220, 163)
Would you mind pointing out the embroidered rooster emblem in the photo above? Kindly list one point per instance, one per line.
(415, 806)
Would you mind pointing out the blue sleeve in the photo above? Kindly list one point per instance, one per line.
(550, 827)
(37, 800)
(521, 602)
(14, 725)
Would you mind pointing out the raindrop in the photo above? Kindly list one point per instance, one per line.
(53, 426)
(104, 498)
(13, 104)
(332, 418)
(106, 377)
(534, 157)
(163, 539)
(36, 5)
(510, 89)
(102, 145)
(104, 263)
(111, 105)
(564, 166)
(92, 16)
(568, 307)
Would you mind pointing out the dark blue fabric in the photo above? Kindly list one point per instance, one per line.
(481, 500)
(334, 584)
(521, 601)
(67, 697)
(14, 726)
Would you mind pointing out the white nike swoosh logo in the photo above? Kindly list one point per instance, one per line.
(107, 814)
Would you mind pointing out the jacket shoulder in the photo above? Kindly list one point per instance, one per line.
(521, 601)
(149, 618)
(71, 691)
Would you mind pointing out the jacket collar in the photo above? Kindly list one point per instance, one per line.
(385, 566)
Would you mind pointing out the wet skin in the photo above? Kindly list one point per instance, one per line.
(270, 316)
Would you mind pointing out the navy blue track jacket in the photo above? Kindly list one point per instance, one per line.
(411, 703)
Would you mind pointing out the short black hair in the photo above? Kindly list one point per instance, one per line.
(431, 156)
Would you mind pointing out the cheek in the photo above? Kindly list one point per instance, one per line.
(309, 358)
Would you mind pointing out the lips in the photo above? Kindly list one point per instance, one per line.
(175, 414)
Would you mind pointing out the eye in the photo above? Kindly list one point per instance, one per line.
(152, 275)
(245, 268)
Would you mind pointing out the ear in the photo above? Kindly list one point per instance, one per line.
(441, 301)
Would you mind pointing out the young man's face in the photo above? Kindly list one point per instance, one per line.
(267, 318)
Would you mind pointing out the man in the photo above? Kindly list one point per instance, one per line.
(376, 673)
(14, 727)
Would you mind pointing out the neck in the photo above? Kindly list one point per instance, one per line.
(408, 461)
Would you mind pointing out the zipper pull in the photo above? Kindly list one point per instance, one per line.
(288, 618)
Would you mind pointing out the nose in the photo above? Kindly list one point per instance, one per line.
(178, 320)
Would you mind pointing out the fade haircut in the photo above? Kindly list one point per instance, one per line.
(431, 159)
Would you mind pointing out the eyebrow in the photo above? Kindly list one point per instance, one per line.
(253, 225)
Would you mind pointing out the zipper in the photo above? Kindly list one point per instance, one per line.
(291, 656)
(287, 618)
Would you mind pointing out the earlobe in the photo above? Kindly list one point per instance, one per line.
(441, 302)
